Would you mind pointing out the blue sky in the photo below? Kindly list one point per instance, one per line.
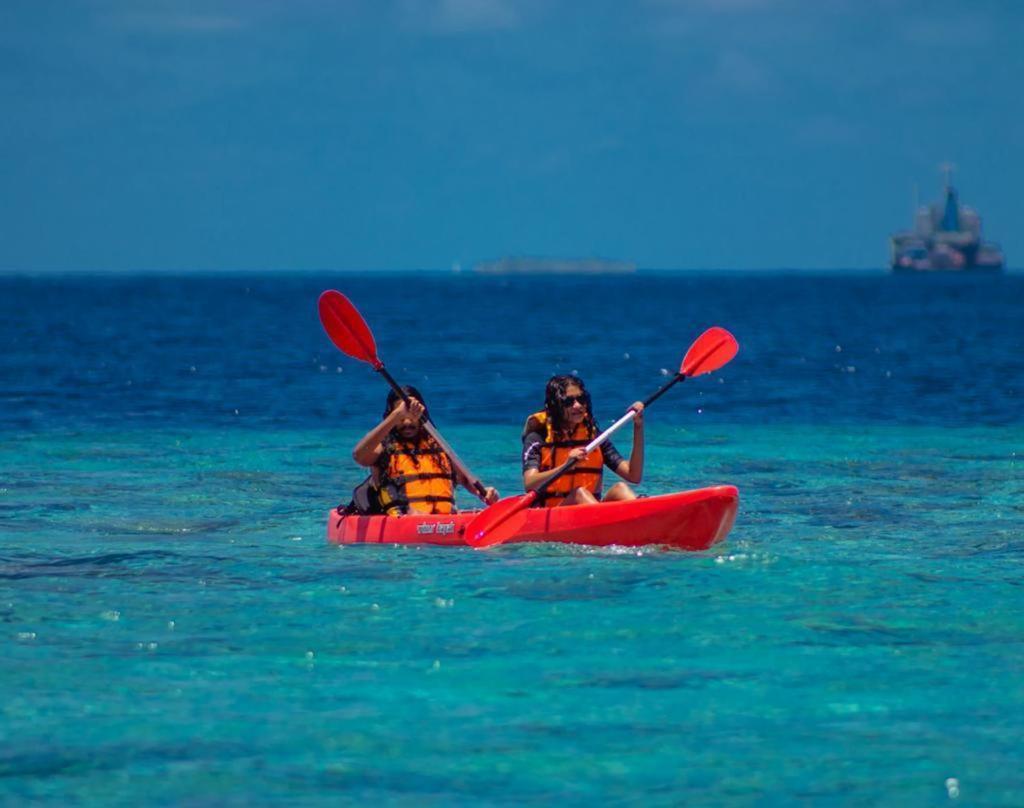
(260, 134)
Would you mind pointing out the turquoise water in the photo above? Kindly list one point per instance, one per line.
(185, 633)
(176, 630)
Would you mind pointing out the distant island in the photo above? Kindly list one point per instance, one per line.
(523, 265)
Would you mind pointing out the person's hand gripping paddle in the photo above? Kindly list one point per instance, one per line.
(502, 520)
(351, 335)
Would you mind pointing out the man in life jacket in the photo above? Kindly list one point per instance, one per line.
(410, 472)
(559, 433)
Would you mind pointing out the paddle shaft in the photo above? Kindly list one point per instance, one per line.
(625, 419)
(471, 479)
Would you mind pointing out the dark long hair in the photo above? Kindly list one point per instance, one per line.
(554, 403)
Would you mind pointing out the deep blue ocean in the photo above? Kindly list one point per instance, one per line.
(176, 630)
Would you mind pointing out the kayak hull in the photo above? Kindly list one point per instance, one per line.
(688, 520)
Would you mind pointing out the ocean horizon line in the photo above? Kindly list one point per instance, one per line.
(163, 272)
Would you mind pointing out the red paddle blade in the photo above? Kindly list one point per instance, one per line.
(500, 522)
(712, 349)
(347, 328)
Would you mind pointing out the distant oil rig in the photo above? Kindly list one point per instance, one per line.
(946, 238)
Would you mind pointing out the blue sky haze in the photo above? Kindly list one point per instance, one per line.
(226, 135)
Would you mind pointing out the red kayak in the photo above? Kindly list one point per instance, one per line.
(688, 520)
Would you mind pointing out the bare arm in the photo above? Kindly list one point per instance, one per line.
(369, 448)
(534, 478)
(632, 470)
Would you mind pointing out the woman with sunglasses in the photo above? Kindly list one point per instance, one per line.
(559, 433)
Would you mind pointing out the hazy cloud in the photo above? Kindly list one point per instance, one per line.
(734, 5)
(721, 6)
(827, 130)
(175, 21)
(460, 16)
(954, 31)
(737, 72)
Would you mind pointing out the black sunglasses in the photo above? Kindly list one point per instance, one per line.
(568, 401)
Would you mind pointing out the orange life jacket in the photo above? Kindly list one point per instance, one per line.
(553, 453)
(416, 478)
